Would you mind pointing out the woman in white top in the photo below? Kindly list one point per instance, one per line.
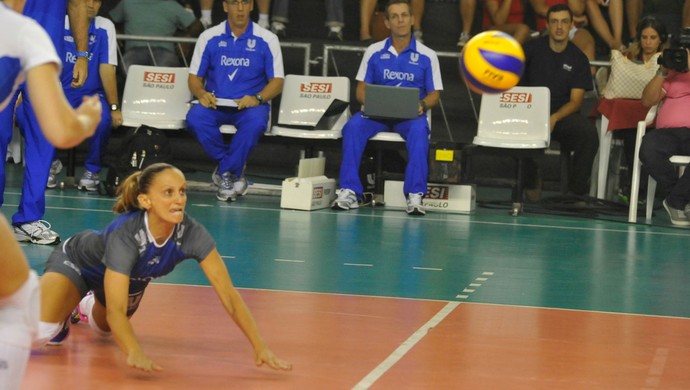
(27, 54)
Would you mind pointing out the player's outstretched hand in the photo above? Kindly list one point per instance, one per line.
(273, 361)
(141, 362)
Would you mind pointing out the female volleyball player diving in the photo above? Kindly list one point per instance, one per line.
(147, 240)
(27, 54)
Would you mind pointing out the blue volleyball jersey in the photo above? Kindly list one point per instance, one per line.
(23, 45)
(50, 14)
(417, 67)
(102, 50)
(127, 247)
(233, 67)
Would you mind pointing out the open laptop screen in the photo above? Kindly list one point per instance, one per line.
(385, 102)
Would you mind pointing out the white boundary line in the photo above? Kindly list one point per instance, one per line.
(400, 352)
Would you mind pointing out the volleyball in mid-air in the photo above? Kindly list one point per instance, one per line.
(492, 62)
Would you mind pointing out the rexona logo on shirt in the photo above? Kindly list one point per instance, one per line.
(393, 75)
(232, 61)
(159, 80)
(316, 87)
(515, 97)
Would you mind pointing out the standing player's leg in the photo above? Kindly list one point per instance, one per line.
(19, 308)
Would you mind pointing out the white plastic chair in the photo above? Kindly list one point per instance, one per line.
(156, 96)
(304, 102)
(678, 161)
(517, 122)
(505, 122)
(605, 141)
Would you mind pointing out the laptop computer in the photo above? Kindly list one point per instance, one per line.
(324, 122)
(385, 102)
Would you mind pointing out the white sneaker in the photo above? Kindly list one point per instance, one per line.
(464, 38)
(414, 204)
(241, 186)
(215, 177)
(226, 188)
(347, 199)
(37, 232)
(55, 169)
(677, 216)
(85, 307)
(264, 24)
(89, 181)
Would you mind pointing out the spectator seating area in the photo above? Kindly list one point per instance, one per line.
(159, 97)
(459, 119)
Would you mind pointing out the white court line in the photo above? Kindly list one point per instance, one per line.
(289, 260)
(358, 265)
(427, 269)
(227, 257)
(398, 354)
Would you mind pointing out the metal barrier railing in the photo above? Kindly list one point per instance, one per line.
(179, 41)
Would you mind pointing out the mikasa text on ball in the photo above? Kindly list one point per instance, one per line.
(492, 62)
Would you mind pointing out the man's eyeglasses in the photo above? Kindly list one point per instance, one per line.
(237, 2)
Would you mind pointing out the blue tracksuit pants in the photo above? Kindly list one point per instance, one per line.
(38, 157)
(357, 132)
(251, 122)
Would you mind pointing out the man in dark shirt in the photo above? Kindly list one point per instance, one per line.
(555, 63)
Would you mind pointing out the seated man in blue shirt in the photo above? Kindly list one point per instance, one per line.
(399, 60)
(236, 69)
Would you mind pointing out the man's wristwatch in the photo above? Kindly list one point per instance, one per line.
(423, 104)
(259, 98)
(114, 107)
(84, 54)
